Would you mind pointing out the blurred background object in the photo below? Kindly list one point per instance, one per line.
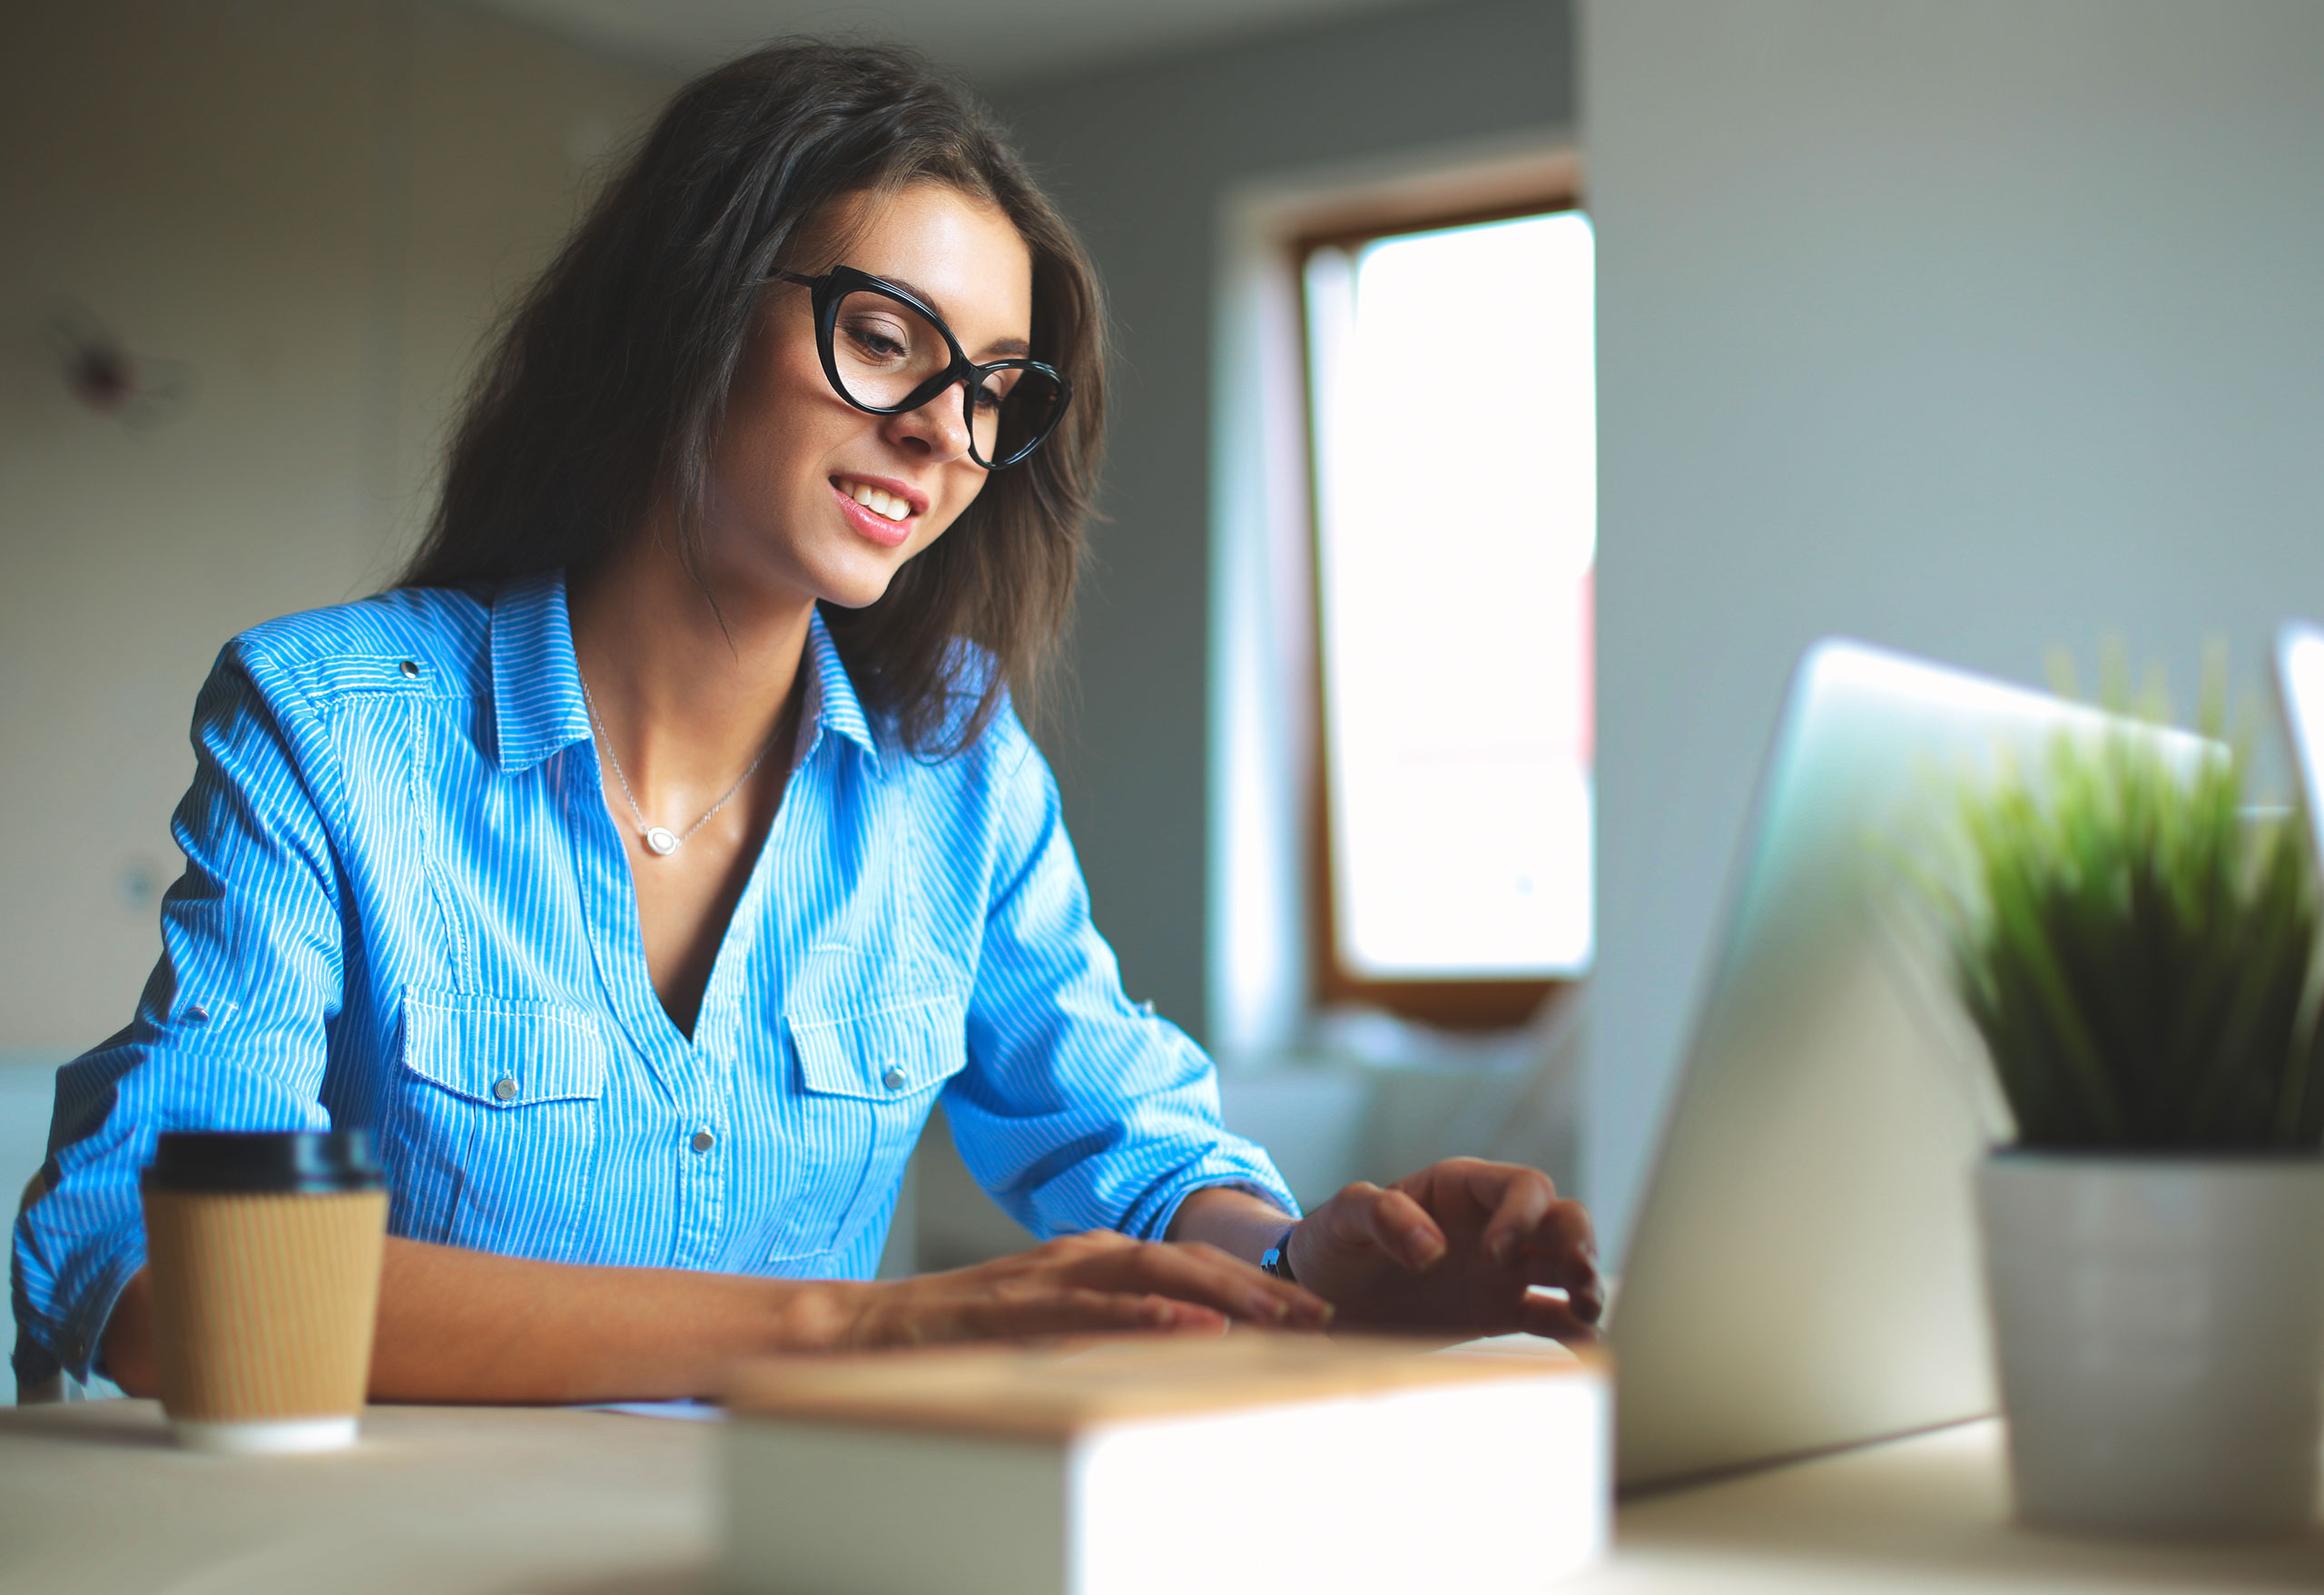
(136, 390)
(1965, 326)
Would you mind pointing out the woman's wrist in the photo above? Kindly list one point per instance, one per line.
(817, 1315)
(1236, 1221)
(1277, 1258)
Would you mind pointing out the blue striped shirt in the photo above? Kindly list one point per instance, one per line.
(407, 907)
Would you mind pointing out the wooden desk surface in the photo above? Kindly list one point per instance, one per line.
(94, 1498)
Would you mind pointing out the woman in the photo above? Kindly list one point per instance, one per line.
(643, 869)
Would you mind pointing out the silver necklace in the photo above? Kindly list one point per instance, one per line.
(661, 838)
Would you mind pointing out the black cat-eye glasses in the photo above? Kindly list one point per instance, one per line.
(886, 352)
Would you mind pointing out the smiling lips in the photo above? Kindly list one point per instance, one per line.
(882, 515)
(879, 500)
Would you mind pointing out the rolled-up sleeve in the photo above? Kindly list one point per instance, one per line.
(229, 1032)
(1078, 1110)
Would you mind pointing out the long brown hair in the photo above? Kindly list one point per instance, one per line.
(607, 387)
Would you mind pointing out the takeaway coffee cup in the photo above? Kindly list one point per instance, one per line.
(264, 1256)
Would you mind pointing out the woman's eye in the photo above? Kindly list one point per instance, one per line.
(876, 342)
(994, 389)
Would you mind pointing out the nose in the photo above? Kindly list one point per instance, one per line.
(938, 430)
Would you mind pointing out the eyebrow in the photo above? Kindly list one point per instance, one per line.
(1003, 346)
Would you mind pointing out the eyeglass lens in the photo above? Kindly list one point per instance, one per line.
(883, 349)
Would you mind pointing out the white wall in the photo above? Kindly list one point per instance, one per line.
(1966, 326)
(320, 205)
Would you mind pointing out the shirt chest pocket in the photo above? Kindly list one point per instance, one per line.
(888, 1054)
(867, 1080)
(498, 1120)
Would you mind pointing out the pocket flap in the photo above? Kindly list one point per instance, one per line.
(504, 1052)
(885, 1055)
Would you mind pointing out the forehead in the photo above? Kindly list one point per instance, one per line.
(961, 254)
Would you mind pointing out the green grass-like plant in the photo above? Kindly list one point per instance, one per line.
(2140, 954)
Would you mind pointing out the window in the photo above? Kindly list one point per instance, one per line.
(1451, 406)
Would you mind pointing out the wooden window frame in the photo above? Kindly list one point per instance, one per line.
(1449, 1004)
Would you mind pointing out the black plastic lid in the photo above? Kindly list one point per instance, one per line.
(265, 1160)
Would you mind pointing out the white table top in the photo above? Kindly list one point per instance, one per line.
(1928, 1514)
(94, 1497)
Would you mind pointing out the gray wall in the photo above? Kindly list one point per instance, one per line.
(1966, 326)
(319, 207)
(1141, 161)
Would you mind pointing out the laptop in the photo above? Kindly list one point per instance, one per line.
(1804, 1272)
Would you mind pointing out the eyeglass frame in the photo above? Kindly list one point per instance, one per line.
(826, 292)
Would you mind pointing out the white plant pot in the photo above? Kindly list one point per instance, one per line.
(2160, 1327)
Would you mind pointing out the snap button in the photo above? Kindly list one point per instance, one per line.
(702, 1140)
(410, 668)
(505, 1088)
(197, 1015)
(894, 1079)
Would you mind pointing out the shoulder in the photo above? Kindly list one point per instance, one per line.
(432, 641)
(956, 750)
(994, 798)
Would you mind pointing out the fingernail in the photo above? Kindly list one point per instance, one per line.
(1501, 1245)
(1271, 1308)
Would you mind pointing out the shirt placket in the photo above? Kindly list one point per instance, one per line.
(674, 1105)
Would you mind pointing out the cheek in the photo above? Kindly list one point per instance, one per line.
(776, 455)
(781, 412)
(957, 498)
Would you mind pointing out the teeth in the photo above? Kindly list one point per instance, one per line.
(885, 503)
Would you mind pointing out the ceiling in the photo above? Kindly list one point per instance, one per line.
(995, 42)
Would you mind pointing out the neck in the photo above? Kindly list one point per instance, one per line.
(688, 694)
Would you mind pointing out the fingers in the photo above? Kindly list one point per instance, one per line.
(1547, 1240)
(1085, 1284)
(1079, 1310)
(1207, 1276)
(1560, 1250)
(1394, 1223)
(1545, 1313)
(1519, 1200)
(1187, 1272)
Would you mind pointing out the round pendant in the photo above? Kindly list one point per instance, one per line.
(661, 841)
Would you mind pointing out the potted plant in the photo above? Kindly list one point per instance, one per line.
(2141, 956)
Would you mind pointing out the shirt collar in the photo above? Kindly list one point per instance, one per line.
(836, 707)
(537, 706)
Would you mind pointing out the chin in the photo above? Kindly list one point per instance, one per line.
(855, 587)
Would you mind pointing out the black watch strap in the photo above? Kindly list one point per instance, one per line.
(1277, 1258)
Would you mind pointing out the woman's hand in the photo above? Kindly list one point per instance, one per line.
(459, 1326)
(1458, 1247)
(1078, 1284)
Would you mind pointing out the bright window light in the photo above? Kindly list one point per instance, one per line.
(1457, 505)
